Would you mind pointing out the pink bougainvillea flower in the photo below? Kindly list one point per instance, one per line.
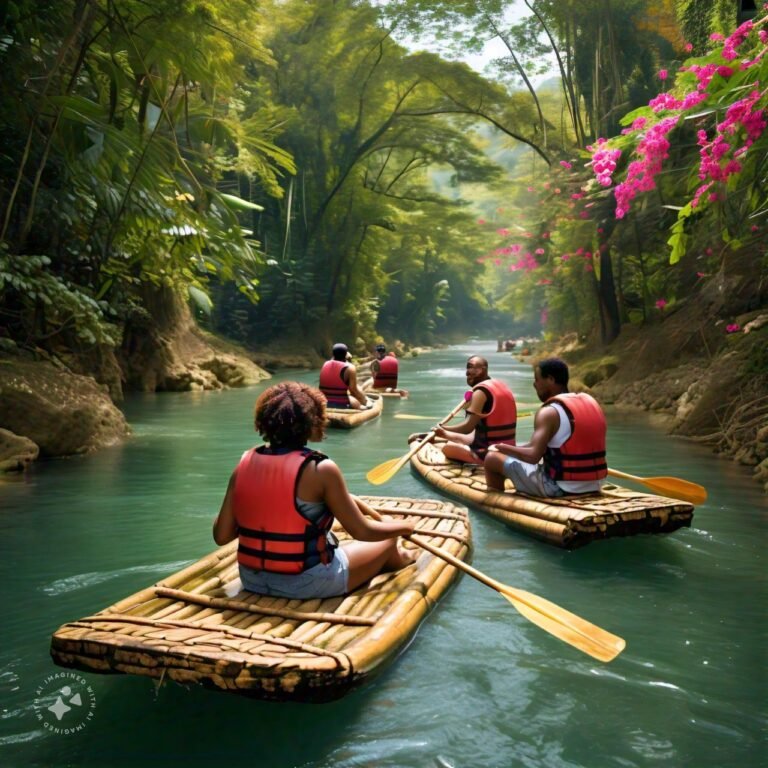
(539, 251)
(588, 268)
(661, 303)
(497, 262)
(481, 221)
(688, 47)
(663, 74)
(566, 165)
(755, 228)
(503, 232)
(565, 256)
(545, 235)
(530, 189)
(599, 230)
(715, 36)
(732, 328)
(708, 251)
(701, 274)
(544, 281)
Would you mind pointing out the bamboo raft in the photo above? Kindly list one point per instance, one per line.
(199, 626)
(567, 522)
(348, 418)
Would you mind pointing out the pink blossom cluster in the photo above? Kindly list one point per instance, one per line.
(720, 156)
(735, 40)
(604, 163)
(653, 150)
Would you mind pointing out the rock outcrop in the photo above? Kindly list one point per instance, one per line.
(59, 412)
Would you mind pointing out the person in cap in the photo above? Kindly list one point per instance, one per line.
(384, 370)
(338, 381)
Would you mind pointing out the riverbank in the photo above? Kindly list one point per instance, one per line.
(707, 381)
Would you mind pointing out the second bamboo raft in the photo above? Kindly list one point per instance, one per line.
(569, 521)
(348, 418)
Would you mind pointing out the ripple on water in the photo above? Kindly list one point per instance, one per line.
(83, 580)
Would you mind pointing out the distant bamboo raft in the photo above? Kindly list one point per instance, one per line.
(186, 628)
(348, 418)
(568, 522)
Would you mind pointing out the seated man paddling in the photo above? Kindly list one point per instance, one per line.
(568, 434)
(491, 417)
(338, 381)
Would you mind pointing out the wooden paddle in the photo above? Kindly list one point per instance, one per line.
(523, 415)
(386, 471)
(668, 486)
(564, 625)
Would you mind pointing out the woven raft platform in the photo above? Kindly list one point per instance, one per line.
(567, 522)
(348, 418)
(199, 626)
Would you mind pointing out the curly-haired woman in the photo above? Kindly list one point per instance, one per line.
(282, 500)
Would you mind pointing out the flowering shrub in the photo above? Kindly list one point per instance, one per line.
(725, 94)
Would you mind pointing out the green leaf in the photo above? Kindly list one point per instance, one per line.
(239, 203)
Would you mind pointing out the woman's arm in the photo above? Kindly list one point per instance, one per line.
(347, 512)
(225, 525)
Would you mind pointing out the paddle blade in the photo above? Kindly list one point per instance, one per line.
(677, 489)
(566, 626)
(383, 472)
(674, 487)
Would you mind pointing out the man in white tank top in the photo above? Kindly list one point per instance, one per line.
(552, 428)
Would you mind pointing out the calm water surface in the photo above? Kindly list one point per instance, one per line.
(478, 686)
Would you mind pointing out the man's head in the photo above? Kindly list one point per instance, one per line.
(477, 370)
(340, 352)
(550, 378)
(380, 350)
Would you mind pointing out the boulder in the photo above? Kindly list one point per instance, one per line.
(61, 412)
(16, 452)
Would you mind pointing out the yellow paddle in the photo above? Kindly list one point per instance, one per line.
(386, 471)
(523, 415)
(564, 625)
(668, 486)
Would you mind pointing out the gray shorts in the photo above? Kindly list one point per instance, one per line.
(319, 581)
(531, 479)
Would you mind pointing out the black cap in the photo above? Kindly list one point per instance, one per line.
(381, 348)
(339, 351)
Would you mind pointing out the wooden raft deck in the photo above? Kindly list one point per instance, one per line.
(568, 522)
(186, 628)
(348, 418)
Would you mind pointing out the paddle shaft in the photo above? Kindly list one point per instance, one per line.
(385, 471)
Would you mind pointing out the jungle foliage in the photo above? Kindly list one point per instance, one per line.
(299, 174)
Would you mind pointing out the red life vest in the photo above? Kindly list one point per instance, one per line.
(273, 535)
(332, 385)
(582, 455)
(387, 373)
(499, 424)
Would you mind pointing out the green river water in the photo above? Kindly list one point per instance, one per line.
(478, 686)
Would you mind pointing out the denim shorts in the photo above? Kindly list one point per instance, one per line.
(531, 479)
(319, 581)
